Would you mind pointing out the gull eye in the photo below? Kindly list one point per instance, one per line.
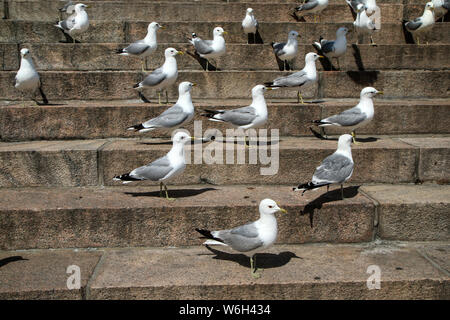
(270, 207)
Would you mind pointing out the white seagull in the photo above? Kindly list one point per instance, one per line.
(250, 26)
(302, 79)
(334, 169)
(27, 79)
(353, 118)
(77, 23)
(370, 5)
(334, 48)
(251, 237)
(145, 47)
(314, 7)
(163, 77)
(162, 169)
(180, 113)
(285, 52)
(423, 23)
(210, 49)
(363, 24)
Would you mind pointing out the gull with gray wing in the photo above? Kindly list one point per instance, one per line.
(251, 237)
(210, 49)
(333, 48)
(423, 23)
(285, 52)
(314, 7)
(77, 23)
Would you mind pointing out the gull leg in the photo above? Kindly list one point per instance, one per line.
(322, 131)
(328, 188)
(207, 65)
(354, 138)
(299, 96)
(255, 274)
(342, 191)
(167, 98)
(167, 193)
(418, 41)
(160, 190)
(159, 97)
(143, 69)
(372, 42)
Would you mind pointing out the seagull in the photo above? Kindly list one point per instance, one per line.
(69, 7)
(208, 49)
(314, 7)
(27, 79)
(441, 8)
(77, 23)
(285, 52)
(423, 23)
(304, 78)
(177, 115)
(143, 48)
(250, 26)
(363, 24)
(163, 77)
(162, 169)
(333, 48)
(370, 5)
(251, 237)
(334, 169)
(355, 117)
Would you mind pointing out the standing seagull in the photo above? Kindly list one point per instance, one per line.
(27, 79)
(302, 79)
(209, 49)
(143, 48)
(355, 117)
(334, 169)
(423, 23)
(253, 116)
(162, 169)
(161, 78)
(285, 52)
(180, 113)
(334, 48)
(250, 26)
(363, 24)
(77, 23)
(314, 7)
(370, 5)
(251, 237)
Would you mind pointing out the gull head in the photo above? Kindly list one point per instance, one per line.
(249, 11)
(293, 34)
(259, 90)
(369, 92)
(181, 138)
(80, 7)
(154, 26)
(312, 56)
(194, 35)
(185, 86)
(269, 207)
(24, 52)
(342, 31)
(360, 7)
(171, 52)
(218, 31)
(345, 141)
(429, 6)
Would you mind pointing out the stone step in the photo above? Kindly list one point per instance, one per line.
(95, 57)
(415, 270)
(131, 216)
(291, 161)
(213, 12)
(118, 85)
(101, 31)
(109, 119)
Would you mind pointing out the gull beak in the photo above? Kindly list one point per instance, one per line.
(380, 92)
(88, 6)
(321, 57)
(194, 84)
(180, 53)
(225, 32)
(269, 88)
(161, 27)
(283, 210)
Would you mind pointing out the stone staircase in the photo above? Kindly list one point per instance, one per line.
(59, 206)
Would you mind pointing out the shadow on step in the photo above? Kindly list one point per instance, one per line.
(318, 135)
(5, 261)
(178, 193)
(331, 196)
(263, 260)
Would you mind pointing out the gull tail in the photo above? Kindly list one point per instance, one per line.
(126, 178)
(140, 128)
(271, 85)
(211, 239)
(308, 186)
(119, 51)
(211, 114)
(319, 122)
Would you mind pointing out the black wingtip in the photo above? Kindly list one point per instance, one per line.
(125, 177)
(136, 127)
(207, 234)
(118, 51)
(210, 113)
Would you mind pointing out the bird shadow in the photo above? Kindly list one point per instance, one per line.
(169, 142)
(178, 193)
(365, 78)
(325, 61)
(5, 261)
(204, 63)
(330, 196)
(358, 58)
(409, 39)
(296, 17)
(263, 260)
(318, 135)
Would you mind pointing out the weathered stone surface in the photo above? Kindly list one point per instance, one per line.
(117, 85)
(136, 216)
(91, 57)
(412, 212)
(9, 56)
(434, 158)
(322, 272)
(68, 163)
(28, 275)
(176, 32)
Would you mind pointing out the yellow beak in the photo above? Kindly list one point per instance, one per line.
(269, 88)
(321, 57)
(88, 6)
(194, 84)
(283, 210)
(180, 53)
(225, 32)
(380, 92)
